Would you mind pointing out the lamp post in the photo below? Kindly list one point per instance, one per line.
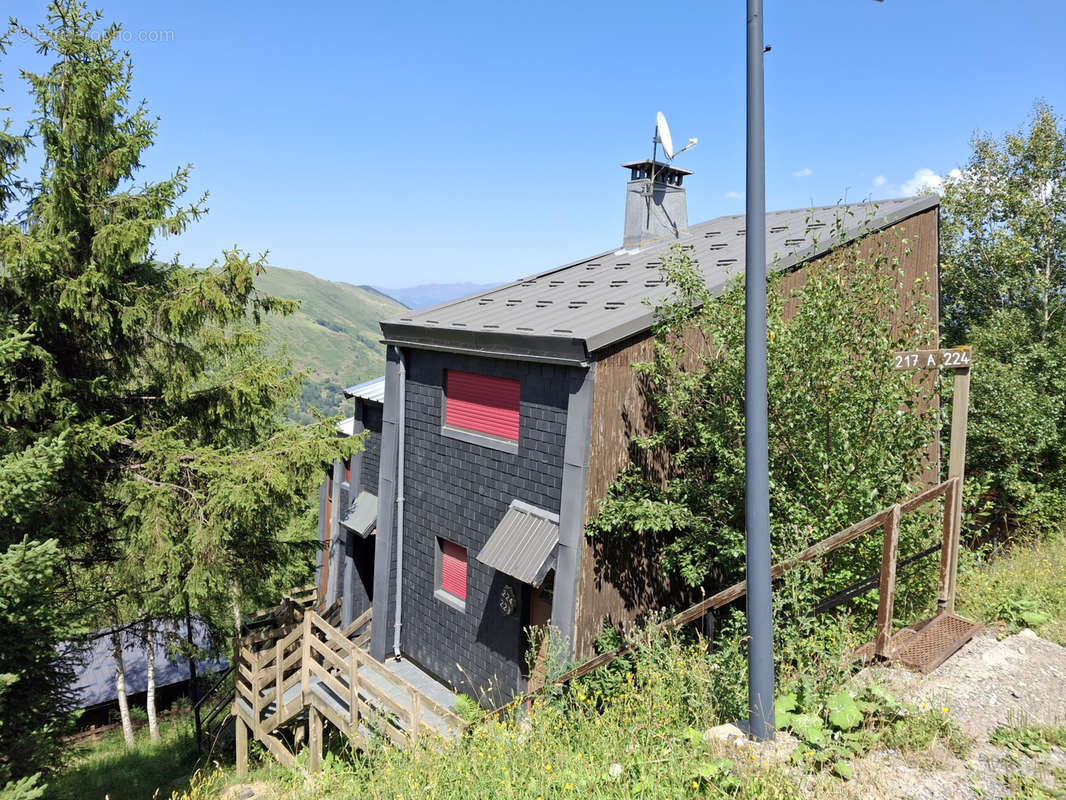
(756, 445)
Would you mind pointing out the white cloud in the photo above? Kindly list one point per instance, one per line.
(733, 196)
(925, 180)
(879, 181)
(803, 173)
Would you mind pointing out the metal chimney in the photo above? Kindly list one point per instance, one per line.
(656, 208)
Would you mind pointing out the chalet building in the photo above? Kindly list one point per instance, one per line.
(504, 417)
(348, 509)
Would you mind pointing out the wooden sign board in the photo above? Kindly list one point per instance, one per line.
(951, 358)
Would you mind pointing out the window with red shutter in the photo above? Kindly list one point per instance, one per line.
(452, 577)
(482, 403)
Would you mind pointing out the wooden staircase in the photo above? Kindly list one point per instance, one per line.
(306, 673)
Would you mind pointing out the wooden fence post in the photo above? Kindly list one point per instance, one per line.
(279, 675)
(257, 693)
(242, 744)
(416, 717)
(305, 660)
(887, 600)
(353, 690)
(314, 717)
(945, 546)
(960, 408)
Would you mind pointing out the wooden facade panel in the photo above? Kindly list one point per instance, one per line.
(620, 579)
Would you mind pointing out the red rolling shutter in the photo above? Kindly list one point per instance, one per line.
(453, 569)
(482, 403)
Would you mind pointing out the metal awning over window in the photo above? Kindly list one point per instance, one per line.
(524, 543)
(362, 515)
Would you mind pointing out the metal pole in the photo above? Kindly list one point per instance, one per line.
(756, 457)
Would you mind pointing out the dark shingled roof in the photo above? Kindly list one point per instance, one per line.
(570, 312)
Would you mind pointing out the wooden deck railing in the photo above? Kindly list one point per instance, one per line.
(322, 671)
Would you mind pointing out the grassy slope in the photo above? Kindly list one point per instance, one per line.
(648, 721)
(105, 769)
(1029, 579)
(334, 335)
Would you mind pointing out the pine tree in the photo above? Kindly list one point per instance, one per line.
(141, 422)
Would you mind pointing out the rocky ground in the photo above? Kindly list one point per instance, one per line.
(1019, 680)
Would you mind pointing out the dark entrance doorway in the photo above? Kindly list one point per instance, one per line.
(535, 631)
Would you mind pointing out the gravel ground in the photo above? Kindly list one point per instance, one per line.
(1015, 681)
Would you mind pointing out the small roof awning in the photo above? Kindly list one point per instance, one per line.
(524, 543)
(362, 516)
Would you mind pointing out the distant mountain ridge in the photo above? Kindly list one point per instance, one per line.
(431, 294)
(334, 335)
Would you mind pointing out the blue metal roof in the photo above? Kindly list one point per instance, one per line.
(95, 682)
(372, 390)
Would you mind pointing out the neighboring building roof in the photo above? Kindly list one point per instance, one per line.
(95, 682)
(523, 544)
(570, 312)
(346, 427)
(372, 391)
(362, 515)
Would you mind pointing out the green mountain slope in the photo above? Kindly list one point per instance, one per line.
(334, 336)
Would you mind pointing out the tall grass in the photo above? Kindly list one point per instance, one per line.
(106, 769)
(636, 729)
(1024, 587)
(644, 739)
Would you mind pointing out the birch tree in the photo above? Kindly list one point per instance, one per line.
(149, 701)
(1003, 273)
(120, 680)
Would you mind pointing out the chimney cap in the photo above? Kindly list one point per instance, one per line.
(660, 167)
(666, 174)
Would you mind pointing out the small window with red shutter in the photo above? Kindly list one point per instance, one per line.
(451, 576)
(482, 404)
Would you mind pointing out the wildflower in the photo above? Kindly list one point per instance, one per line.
(615, 771)
(547, 767)
(569, 786)
(944, 709)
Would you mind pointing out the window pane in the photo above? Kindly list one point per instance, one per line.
(453, 569)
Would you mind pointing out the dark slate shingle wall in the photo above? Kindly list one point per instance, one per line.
(368, 481)
(359, 552)
(459, 491)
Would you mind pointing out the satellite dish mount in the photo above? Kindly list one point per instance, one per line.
(662, 136)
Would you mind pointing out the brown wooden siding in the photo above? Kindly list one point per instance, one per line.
(619, 577)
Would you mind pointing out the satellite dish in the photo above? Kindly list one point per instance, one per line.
(665, 138)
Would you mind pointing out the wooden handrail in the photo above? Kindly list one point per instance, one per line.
(363, 619)
(739, 589)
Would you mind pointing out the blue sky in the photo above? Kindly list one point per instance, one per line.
(396, 144)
